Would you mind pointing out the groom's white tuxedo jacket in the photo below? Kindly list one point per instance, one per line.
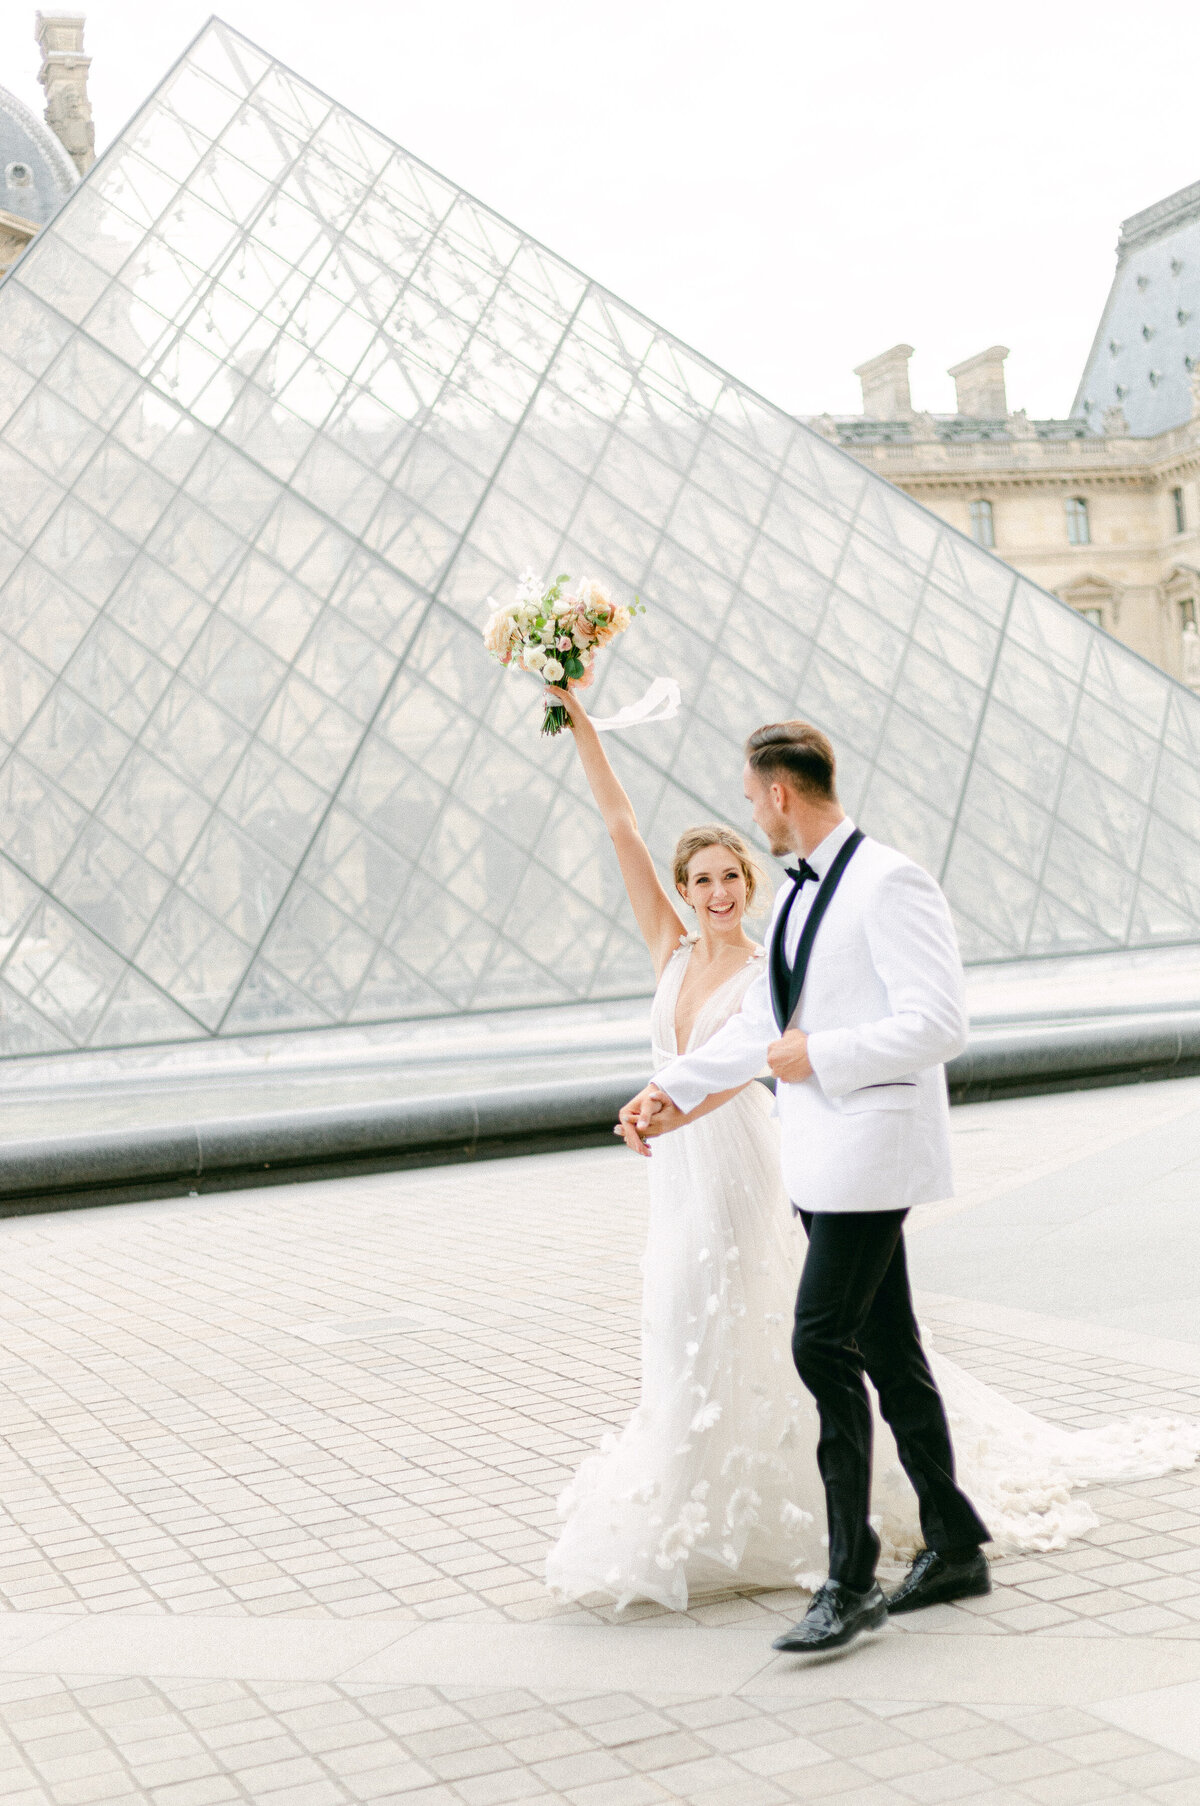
(883, 1007)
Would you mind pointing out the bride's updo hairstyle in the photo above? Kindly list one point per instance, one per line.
(797, 752)
(712, 834)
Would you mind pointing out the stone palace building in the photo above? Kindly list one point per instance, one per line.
(1102, 507)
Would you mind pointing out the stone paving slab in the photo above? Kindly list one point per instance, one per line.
(308, 1744)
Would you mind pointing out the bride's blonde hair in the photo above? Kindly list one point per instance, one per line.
(712, 834)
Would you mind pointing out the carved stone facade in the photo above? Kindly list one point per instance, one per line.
(1109, 522)
(39, 167)
(64, 76)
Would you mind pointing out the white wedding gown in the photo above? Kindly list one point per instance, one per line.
(713, 1482)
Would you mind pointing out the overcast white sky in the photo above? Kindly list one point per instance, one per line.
(789, 186)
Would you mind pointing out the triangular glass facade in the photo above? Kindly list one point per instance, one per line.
(279, 407)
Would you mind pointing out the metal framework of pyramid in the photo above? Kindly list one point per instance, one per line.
(279, 407)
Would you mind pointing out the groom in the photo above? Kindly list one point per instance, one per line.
(860, 1003)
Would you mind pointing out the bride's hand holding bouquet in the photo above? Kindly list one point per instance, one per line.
(555, 633)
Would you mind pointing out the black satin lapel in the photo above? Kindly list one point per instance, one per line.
(808, 934)
(778, 962)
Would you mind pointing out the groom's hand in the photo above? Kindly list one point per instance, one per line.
(648, 1114)
(788, 1057)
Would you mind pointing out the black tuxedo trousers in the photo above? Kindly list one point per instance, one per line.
(854, 1315)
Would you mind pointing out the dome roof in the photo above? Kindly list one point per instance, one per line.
(36, 174)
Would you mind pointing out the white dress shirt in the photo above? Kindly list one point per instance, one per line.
(821, 858)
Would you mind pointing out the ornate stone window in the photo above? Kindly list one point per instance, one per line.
(1177, 505)
(1093, 597)
(1079, 530)
(983, 530)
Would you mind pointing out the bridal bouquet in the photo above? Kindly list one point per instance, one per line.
(556, 632)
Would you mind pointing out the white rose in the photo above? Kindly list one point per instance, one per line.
(552, 671)
(535, 658)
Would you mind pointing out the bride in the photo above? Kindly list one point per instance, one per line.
(713, 1482)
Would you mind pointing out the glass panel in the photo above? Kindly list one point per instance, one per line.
(1016, 751)
(881, 583)
(265, 1000)
(1054, 633)
(985, 891)
(136, 1011)
(890, 808)
(1109, 742)
(1102, 813)
(1168, 865)
(1006, 822)
(74, 745)
(971, 580)
(194, 959)
(310, 731)
(274, 804)
(117, 675)
(356, 871)
(1034, 690)
(23, 684)
(737, 702)
(234, 879)
(63, 971)
(1096, 889)
(940, 696)
(107, 886)
(1177, 794)
(322, 952)
(841, 704)
(922, 761)
(955, 635)
(38, 821)
(857, 637)
(1123, 682)
(154, 810)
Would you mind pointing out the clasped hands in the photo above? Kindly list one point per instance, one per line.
(651, 1113)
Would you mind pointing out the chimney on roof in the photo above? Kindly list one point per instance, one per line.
(64, 76)
(885, 385)
(979, 384)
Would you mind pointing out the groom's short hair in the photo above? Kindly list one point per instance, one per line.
(798, 753)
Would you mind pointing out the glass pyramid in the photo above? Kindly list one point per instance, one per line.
(279, 407)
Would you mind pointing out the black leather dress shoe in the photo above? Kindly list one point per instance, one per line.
(935, 1579)
(836, 1615)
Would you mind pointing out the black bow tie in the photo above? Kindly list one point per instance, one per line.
(800, 874)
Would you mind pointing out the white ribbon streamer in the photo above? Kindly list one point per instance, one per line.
(660, 703)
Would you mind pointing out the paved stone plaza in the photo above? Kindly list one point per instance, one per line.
(279, 1471)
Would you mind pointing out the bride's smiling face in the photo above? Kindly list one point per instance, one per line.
(716, 889)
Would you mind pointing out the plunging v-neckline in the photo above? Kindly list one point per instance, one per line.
(687, 951)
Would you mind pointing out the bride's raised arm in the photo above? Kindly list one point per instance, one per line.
(656, 915)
